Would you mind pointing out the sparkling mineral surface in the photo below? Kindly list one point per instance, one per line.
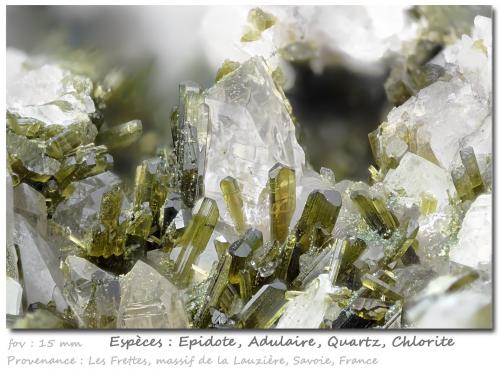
(230, 227)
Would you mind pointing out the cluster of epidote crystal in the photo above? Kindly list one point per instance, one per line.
(231, 230)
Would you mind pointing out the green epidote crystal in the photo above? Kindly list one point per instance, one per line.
(85, 161)
(195, 238)
(283, 268)
(265, 307)
(375, 213)
(281, 200)
(370, 309)
(257, 22)
(121, 136)
(227, 67)
(462, 183)
(234, 202)
(375, 283)
(140, 223)
(216, 287)
(470, 163)
(189, 131)
(29, 159)
(241, 252)
(221, 246)
(152, 181)
(109, 236)
(321, 211)
(66, 141)
(428, 203)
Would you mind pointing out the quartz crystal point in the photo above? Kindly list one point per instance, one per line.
(234, 202)
(149, 300)
(474, 246)
(251, 130)
(282, 200)
(92, 293)
(195, 238)
(321, 211)
(265, 307)
(42, 279)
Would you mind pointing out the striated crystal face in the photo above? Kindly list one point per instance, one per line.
(247, 113)
(149, 300)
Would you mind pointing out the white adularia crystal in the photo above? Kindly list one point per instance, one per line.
(416, 175)
(251, 131)
(149, 300)
(474, 247)
(45, 92)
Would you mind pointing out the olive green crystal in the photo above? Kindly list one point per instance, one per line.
(218, 283)
(282, 200)
(227, 67)
(195, 238)
(241, 252)
(121, 136)
(258, 21)
(321, 211)
(265, 307)
(234, 202)
(109, 236)
(375, 213)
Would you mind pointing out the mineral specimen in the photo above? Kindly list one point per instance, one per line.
(229, 227)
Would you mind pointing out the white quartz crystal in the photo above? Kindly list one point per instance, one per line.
(42, 279)
(415, 175)
(92, 293)
(149, 300)
(46, 92)
(251, 131)
(474, 247)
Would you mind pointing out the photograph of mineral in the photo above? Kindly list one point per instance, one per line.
(330, 168)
